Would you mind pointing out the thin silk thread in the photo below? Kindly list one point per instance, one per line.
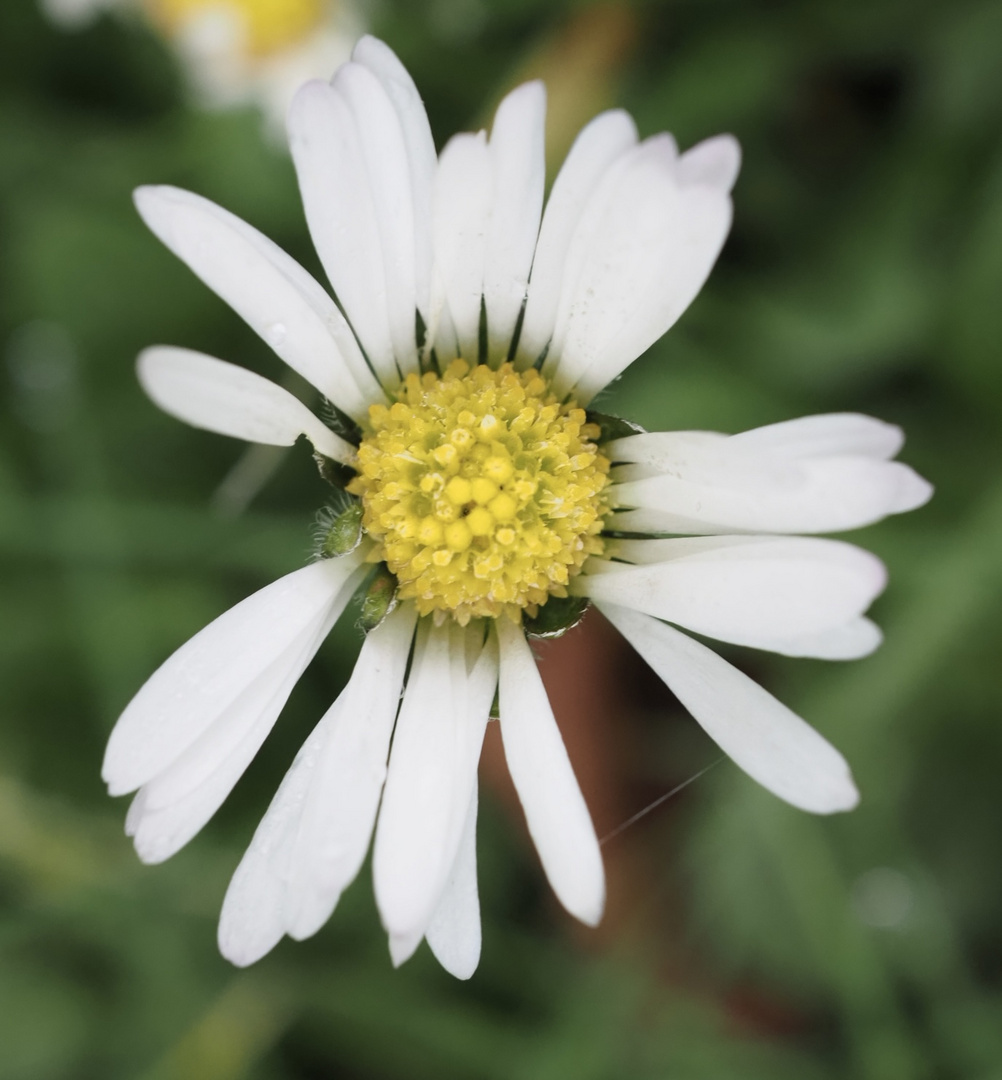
(657, 802)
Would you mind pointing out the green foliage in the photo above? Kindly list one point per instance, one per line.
(864, 273)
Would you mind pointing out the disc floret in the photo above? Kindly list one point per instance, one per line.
(483, 491)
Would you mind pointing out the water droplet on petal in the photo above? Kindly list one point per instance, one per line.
(275, 334)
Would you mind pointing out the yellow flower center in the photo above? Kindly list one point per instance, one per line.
(268, 25)
(482, 489)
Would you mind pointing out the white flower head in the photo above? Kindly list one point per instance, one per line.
(471, 331)
(239, 52)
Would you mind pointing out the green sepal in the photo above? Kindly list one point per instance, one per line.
(556, 616)
(613, 427)
(379, 600)
(340, 533)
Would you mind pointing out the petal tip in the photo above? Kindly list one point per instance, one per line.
(591, 914)
(838, 796)
(847, 798)
(150, 203)
(115, 786)
(713, 163)
(403, 947)
(151, 850)
(915, 491)
(231, 948)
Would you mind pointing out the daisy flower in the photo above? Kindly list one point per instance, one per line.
(483, 503)
(238, 52)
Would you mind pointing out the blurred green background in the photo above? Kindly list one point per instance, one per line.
(747, 940)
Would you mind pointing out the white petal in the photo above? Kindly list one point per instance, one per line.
(779, 481)
(851, 641)
(555, 810)
(277, 298)
(312, 841)
(403, 946)
(713, 163)
(825, 435)
(598, 145)
(462, 205)
(172, 807)
(386, 164)
(341, 215)
(587, 233)
(432, 770)
(252, 921)
(230, 400)
(650, 243)
(454, 931)
(382, 62)
(340, 811)
(690, 454)
(519, 173)
(210, 672)
(762, 736)
(746, 590)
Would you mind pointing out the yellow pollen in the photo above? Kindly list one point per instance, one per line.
(484, 493)
(265, 26)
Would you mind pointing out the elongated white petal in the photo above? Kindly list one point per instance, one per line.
(812, 495)
(210, 672)
(851, 641)
(172, 807)
(230, 400)
(555, 810)
(340, 812)
(644, 246)
(385, 162)
(518, 166)
(848, 641)
(599, 144)
(461, 218)
(341, 214)
(454, 931)
(816, 474)
(771, 743)
(253, 919)
(645, 552)
(746, 590)
(274, 295)
(383, 62)
(312, 841)
(429, 785)
(825, 435)
(587, 234)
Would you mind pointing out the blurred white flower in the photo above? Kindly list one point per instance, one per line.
(471, 331)
(238, 52)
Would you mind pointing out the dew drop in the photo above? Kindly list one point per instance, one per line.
(276, 334)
